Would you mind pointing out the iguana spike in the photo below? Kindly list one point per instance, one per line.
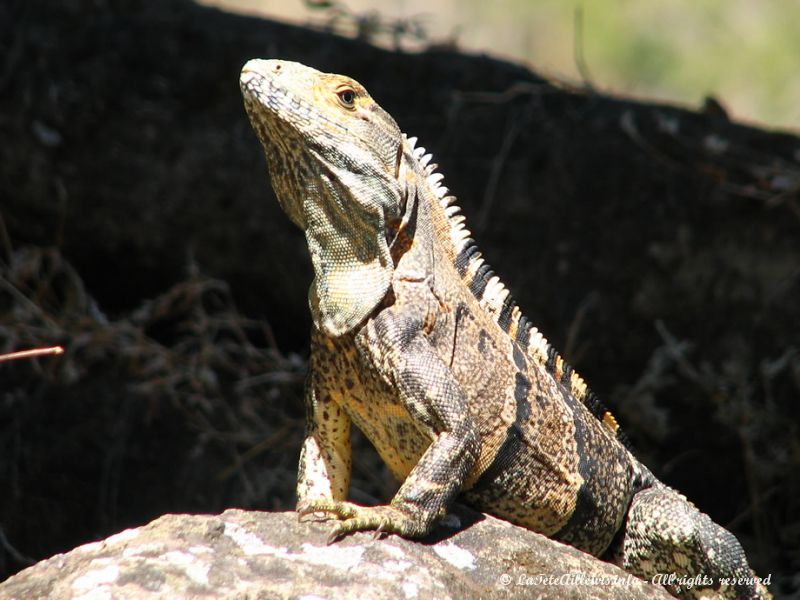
(435, 178)
(461, 239)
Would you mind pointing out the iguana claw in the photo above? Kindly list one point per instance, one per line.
(380, 519)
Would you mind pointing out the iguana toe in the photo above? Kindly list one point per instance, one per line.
(380, 519)
(325, 509)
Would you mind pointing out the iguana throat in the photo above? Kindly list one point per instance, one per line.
(334, 165)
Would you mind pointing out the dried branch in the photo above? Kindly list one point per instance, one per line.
(33, 353)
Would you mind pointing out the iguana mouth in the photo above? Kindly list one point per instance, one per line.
(260, 87)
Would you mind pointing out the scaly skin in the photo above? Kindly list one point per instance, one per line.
(420, 346)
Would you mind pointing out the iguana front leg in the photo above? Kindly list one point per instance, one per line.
(325, 458)
(437, 406)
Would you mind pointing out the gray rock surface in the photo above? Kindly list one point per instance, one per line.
(259, 555)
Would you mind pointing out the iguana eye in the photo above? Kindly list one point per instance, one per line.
(347, 97)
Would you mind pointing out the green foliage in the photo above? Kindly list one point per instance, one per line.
(744, 53)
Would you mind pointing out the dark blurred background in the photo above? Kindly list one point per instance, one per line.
(657, 247)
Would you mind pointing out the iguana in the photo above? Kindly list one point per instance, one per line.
(417, 343)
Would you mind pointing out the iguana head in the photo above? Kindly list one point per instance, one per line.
(334, 158)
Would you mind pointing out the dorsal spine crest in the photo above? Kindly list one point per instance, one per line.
(496, 300)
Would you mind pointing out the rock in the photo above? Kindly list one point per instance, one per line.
(247, 555)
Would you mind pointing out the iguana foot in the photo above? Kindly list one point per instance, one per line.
(387, 518)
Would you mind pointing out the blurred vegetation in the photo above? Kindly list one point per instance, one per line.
(745, 54)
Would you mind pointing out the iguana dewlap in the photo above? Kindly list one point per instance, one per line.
(418, 344)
